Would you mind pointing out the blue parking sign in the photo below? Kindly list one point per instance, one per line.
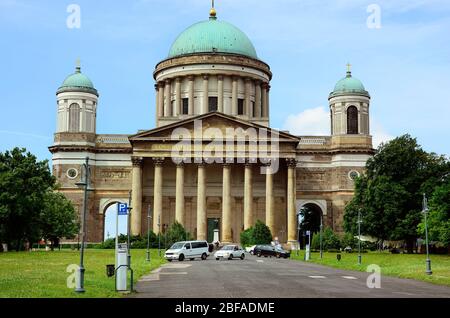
(122, 209)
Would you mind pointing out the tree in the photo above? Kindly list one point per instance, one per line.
(389, 195)
(58, 218)
(439, 216)
(330, 240)
(176, 233)
(261, 233)
(24, 181)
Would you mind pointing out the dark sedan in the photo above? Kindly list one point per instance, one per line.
(269, 251)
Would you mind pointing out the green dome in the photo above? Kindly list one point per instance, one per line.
(212, 36)
(77, 82)
(349, 85)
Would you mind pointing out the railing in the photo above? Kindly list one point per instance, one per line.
(313, 140)
(113, 139)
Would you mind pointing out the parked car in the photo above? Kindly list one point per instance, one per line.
(187, 250)
(269, 251)
(230, 252)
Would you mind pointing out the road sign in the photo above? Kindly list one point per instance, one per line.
(122, 209)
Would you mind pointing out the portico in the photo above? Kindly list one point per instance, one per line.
(240, 183)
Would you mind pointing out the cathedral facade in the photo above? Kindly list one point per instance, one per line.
(212, 160)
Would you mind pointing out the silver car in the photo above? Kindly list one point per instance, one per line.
(230, 252)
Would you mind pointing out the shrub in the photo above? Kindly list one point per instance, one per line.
(349, 240)
(247, 237)
(261, 233)
(330, 240)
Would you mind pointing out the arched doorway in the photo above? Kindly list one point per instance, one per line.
(310, 216)
(109, 211)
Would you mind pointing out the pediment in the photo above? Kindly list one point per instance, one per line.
(210, 126)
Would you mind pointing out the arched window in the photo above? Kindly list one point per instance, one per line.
(74, 118)
(352, 120)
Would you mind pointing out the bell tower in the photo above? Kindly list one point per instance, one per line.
(349, 107)
(76, 104)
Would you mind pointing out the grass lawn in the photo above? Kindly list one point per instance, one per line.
(398, 265)
(43, 274)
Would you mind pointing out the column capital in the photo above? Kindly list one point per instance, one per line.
(168, 81)
(266, 86)
(191, 78)
(158, 161)
(178, 79)
(220, 77)
(258, 82)
(160, 84)
(137, 161)
(291, 163)
(205, 77)
(234, 78)
(156, 87)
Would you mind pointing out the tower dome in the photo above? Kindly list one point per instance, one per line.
(213, 36)
(349, 85)
(77, 82)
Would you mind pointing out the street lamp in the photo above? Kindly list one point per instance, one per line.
(298, 231)
(359, 236)
(425, 211)
(321, 230)
(84, 184)
(149, 217)
(159, 235)
(129, 208)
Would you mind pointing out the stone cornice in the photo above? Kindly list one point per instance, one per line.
(211, 58)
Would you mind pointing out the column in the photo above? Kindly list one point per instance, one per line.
(258, 105)
(226, 205)
(291, 197)
(177, 110)
(168, 95)
(267, 101)
(248, 101)
(201, 203)
(191, 95)
(161, 99)
(264, 100)
(157, 194)
(158, 113)
(136, 195)
(248, 196)
(220, 93)
(234, 96)
(205, 100)
(270, 212)
(179, 200)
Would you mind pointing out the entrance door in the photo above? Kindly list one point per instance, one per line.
(212, 225)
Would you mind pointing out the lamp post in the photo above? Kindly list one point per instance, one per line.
(129, 230)
(149, 217)
(159, 235)
(425, 211)
(298, 231)
(359, 236)
(321, 230)
(84, 184)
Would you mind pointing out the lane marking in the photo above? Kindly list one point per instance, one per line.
(349, 277)
(173, 273)
(259, 261)
(319, 277)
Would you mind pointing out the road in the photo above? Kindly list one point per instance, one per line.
(273, 278)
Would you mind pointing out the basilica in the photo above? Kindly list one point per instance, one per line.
(212, 161)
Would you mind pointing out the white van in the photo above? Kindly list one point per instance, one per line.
(187, 250)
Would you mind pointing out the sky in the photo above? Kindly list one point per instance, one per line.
(404, 63)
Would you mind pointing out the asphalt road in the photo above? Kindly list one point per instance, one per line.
(272, 278)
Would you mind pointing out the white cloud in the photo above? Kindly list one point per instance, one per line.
(311, 122)
(316, 122)
(379, 134)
